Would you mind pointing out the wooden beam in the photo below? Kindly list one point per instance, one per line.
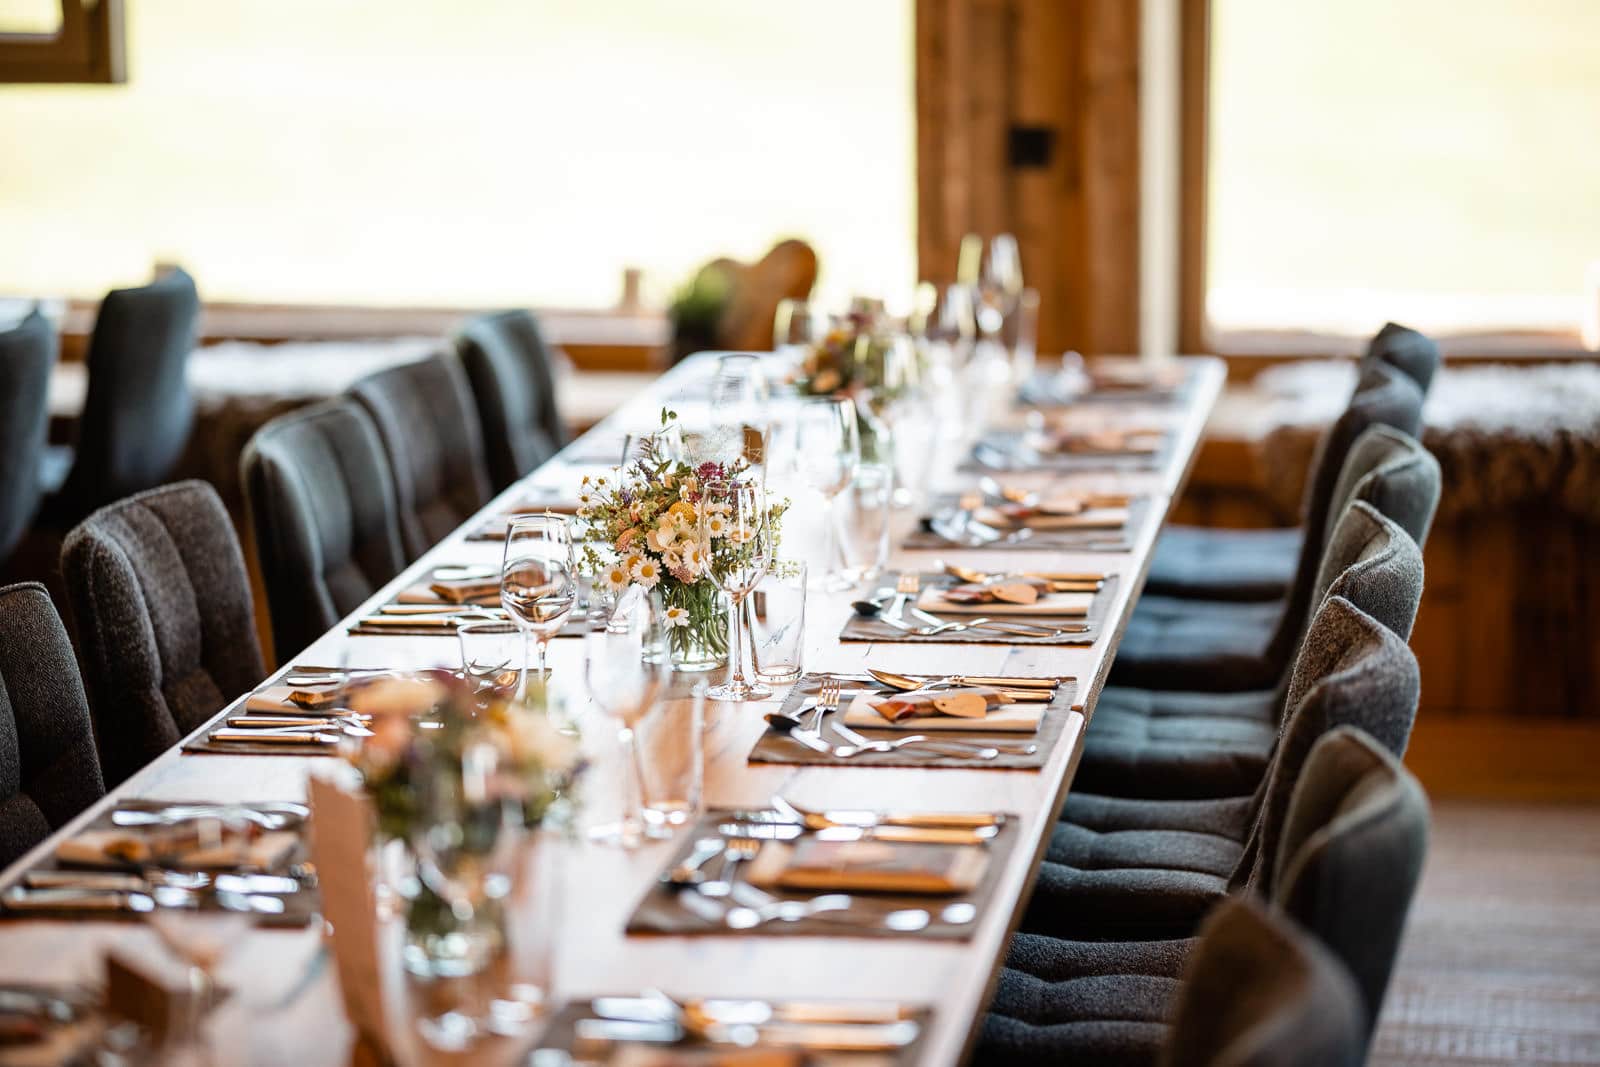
(1194, 115)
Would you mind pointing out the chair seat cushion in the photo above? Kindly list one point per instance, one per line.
(1199, 645)
(1227, 817)
(1155, 743)
(1055, 959)
(1209, 563)
(1114, 1019)
(1141, 901)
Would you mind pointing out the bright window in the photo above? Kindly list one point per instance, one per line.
(1431, 161)
(401, 152)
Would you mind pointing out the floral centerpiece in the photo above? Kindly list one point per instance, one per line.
(653, 525)
(423, 727)
(862, 358)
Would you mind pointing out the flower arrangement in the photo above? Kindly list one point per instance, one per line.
(841, 363)
(539, 764)
(654, 526)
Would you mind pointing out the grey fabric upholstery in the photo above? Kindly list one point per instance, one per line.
(27, 352)
(1408, 351)
(48, 769)
(1210, 563)
(1391, 471)
(513, 384)
(1151, 867)
(1173, 643)
(327, 528)
(161, 603)
(429, 429)
(1350, 855)
(1261, 992)
(138, 411)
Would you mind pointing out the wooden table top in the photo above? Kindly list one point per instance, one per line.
(603, 884)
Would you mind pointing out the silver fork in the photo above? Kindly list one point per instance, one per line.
(827, 700)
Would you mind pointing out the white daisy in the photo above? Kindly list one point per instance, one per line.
(647, 572)
(616, 578)
(677, 617)
(694, 557)
(716, 525)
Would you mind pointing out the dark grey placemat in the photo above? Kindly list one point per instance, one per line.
(860, 628)
(661, 912)
(1119, 539)
(1039, 391)
(298, 907)
(993, 451)
(561, 1036)
(203, 746)
(773, 747)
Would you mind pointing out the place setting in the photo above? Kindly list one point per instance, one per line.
(788, 871)
(964, 605)
(653, 1029)
(1037, 448)
(141, 857)
(309, 711)
(883, 718)
(1105, 381)
(998, 515)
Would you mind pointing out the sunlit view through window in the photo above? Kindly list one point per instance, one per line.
(1429, 161)
(494, 152)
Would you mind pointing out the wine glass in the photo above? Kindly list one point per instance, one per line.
(539, 580)
(999, 284)
(625, 668)
(827, 450)
(736, 538)
(739, 399)
(796, 327)
(652, 446)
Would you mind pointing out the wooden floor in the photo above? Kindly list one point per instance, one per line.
(1501, 963)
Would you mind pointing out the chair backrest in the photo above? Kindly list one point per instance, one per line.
(1385, 468)
(1260, 992)
(27, 352)
(429, 429)
(1391, 471)
(1351, 854)
(1352, 670)
(138, 411)
(1374, 564)
(161, 603)
(513, 384)
(1405, 349)
(327, 527)
(48, 769)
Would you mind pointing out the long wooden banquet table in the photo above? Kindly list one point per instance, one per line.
(291, 1010)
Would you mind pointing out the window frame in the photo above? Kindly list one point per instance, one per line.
(89, 47)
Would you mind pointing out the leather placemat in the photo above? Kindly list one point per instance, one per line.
(773, 747)
(860, 628)
(298, 908)
(560, 1037)
(203, 745)
(1107, 539)
(661, 911)
(1039, 391)
(996, 448)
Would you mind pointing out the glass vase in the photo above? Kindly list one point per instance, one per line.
(444, 943)
(701, 642)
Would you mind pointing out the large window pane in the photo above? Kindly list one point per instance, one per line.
(1425, 160)
(498, 151)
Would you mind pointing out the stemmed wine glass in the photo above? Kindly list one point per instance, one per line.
(625, 668)
(796, 327)
(539, 580)
(827, 451)
(735, 513)
(739, 408)
(999, 284)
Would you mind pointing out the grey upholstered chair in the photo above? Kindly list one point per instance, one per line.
(1347, 864)
(138, 411)
(1172, 743)
(327, 528)
(48, 770)
(27, 352)
(513, 383)
(1261, 992)
(429, 429)
(1213, 563)
(1174, 643)
(161, 603)
(1146, 868)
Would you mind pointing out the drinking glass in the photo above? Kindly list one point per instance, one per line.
(625, 668)
(999, 284)
(735, 514)
(739, 399)
(1022, 335)
(827, 450)
(652, 446)
(776, 615)
(539, 579)
(493, 656)
(797, 326)
(672, 760)
(866, 521)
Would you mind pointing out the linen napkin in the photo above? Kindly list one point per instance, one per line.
(289, 700)
(177, 846)
(1119, 442)
(1004, 596)
(886, 711)
(868, 865)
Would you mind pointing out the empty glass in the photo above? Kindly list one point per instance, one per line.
(1022, 335)
(735, 513)
(827, 450)
(539, 578)
(775, 614)
(739, 409)
(670, 740)
(493, 656)
(625, 667)
(796, 327)
(665, 442)
(866, 521)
